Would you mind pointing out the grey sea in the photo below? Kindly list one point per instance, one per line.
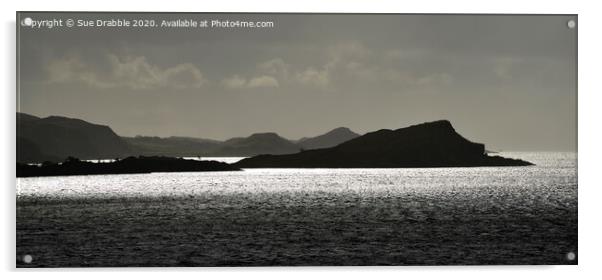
(313, 217)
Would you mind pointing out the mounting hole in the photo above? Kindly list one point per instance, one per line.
(570, 256)
(27, 21)
(27, 259)
(571, 24)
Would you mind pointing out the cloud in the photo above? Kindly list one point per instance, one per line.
(353, 62)
(130, 72)
(263, 81)
(68, 69)
(314, 77)
(275, 67)
(238, 82)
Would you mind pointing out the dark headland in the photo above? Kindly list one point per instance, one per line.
(130, 165)
(433, 144)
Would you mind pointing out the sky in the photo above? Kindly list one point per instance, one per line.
(508, 81)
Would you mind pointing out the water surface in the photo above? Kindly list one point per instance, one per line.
(413, 216)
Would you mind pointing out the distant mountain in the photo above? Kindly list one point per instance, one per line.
(256, 144)
(55, 138)
(171, 146)
(327, 140)
(434, 144)
(52, 138)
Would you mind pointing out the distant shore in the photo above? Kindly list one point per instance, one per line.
(130, 165)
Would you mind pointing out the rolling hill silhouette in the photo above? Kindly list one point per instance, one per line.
(55, 138)
(258, 143)
(52, 138)
(329, 139)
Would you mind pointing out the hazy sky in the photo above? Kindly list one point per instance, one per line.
(506, 81)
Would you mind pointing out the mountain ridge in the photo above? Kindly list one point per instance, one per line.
(55, 138)
(431, 144)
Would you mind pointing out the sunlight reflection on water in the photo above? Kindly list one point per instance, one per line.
(484, 215)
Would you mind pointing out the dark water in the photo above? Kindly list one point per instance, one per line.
(523, 215)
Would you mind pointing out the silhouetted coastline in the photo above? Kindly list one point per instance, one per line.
(74, 166)
(432, 144)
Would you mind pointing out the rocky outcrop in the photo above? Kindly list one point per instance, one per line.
(433, 144)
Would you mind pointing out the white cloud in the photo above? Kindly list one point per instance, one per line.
(263, 81)
(237, 82)
(351, 62)
(129, 72)
(343, 64)
(278, 68)
(311, 76)
(345, 61)
(275, 67)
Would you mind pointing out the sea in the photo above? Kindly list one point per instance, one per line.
(304, 217)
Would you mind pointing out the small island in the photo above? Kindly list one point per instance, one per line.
(129, 165)
(432, 144)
